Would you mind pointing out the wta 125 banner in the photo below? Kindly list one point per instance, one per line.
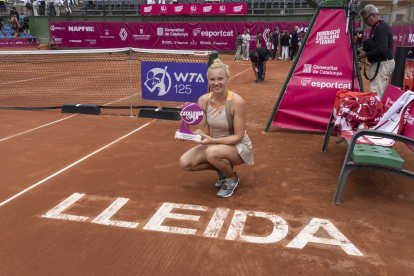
(173, 81)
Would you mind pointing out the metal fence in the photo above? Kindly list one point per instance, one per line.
(402, 15)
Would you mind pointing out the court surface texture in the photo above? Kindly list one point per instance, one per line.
(104, 195)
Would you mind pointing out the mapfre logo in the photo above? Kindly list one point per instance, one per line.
(123, 34)
(159, 80)
(307, 68)
(237, 8)
(305, 81)
(148, 9)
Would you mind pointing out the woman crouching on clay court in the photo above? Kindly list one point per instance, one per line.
(225, 113)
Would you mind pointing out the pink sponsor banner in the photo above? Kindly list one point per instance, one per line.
(223, 8)
(403, 35)
(324, 68)
(15, 42)
(162, 35)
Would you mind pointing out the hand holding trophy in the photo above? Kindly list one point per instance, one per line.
(191, 114)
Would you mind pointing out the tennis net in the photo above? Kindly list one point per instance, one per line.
(110, 78)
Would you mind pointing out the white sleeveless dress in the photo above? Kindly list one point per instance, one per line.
(221, 122)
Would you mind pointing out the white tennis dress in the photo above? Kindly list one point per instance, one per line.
(221, 122)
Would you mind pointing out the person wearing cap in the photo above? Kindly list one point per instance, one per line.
(23, 24)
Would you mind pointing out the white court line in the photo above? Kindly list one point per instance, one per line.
(35, 79)
(239, 74)
(71, 165)
(122, 99)
(36, 128)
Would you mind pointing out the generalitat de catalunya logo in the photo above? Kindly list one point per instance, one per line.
(159, 80)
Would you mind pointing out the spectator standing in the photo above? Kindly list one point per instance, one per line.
(28, 5)
(24, 23)
(246, 44)
(239, 43)
(275, 42)
(13, 11)
(284, 41)
(381, 56)
(14, 22)
(301, 37)
(294, 42)
(359, 35)
(52, 11)
(259, 57)
(258, 40)
(42, 8)
(1, 24)
(35, 6)
(2, 6)
(269, 41)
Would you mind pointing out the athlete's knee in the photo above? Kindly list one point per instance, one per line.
(212, 154)
(185, 164)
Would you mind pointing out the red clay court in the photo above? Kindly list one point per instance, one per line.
(104, 195)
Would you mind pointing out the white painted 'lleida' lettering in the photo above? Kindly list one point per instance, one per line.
(234, 232)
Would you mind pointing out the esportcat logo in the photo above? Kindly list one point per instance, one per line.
(305, 81)
(148, 9)
(196, 31)
(335, 85)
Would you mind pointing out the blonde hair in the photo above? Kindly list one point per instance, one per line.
(219, 64)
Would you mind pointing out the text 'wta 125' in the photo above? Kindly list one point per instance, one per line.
(191, 114)
(173, 81)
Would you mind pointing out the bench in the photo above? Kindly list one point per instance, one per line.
(378, 158)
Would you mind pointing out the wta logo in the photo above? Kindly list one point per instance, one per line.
(159, 80)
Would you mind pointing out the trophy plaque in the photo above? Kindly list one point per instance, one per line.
(191, 114)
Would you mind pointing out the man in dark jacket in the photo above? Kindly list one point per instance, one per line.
(259, 57)
(275, 42)
(383, 50)
(294, 42)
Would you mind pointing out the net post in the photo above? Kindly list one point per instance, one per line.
(130, 76)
